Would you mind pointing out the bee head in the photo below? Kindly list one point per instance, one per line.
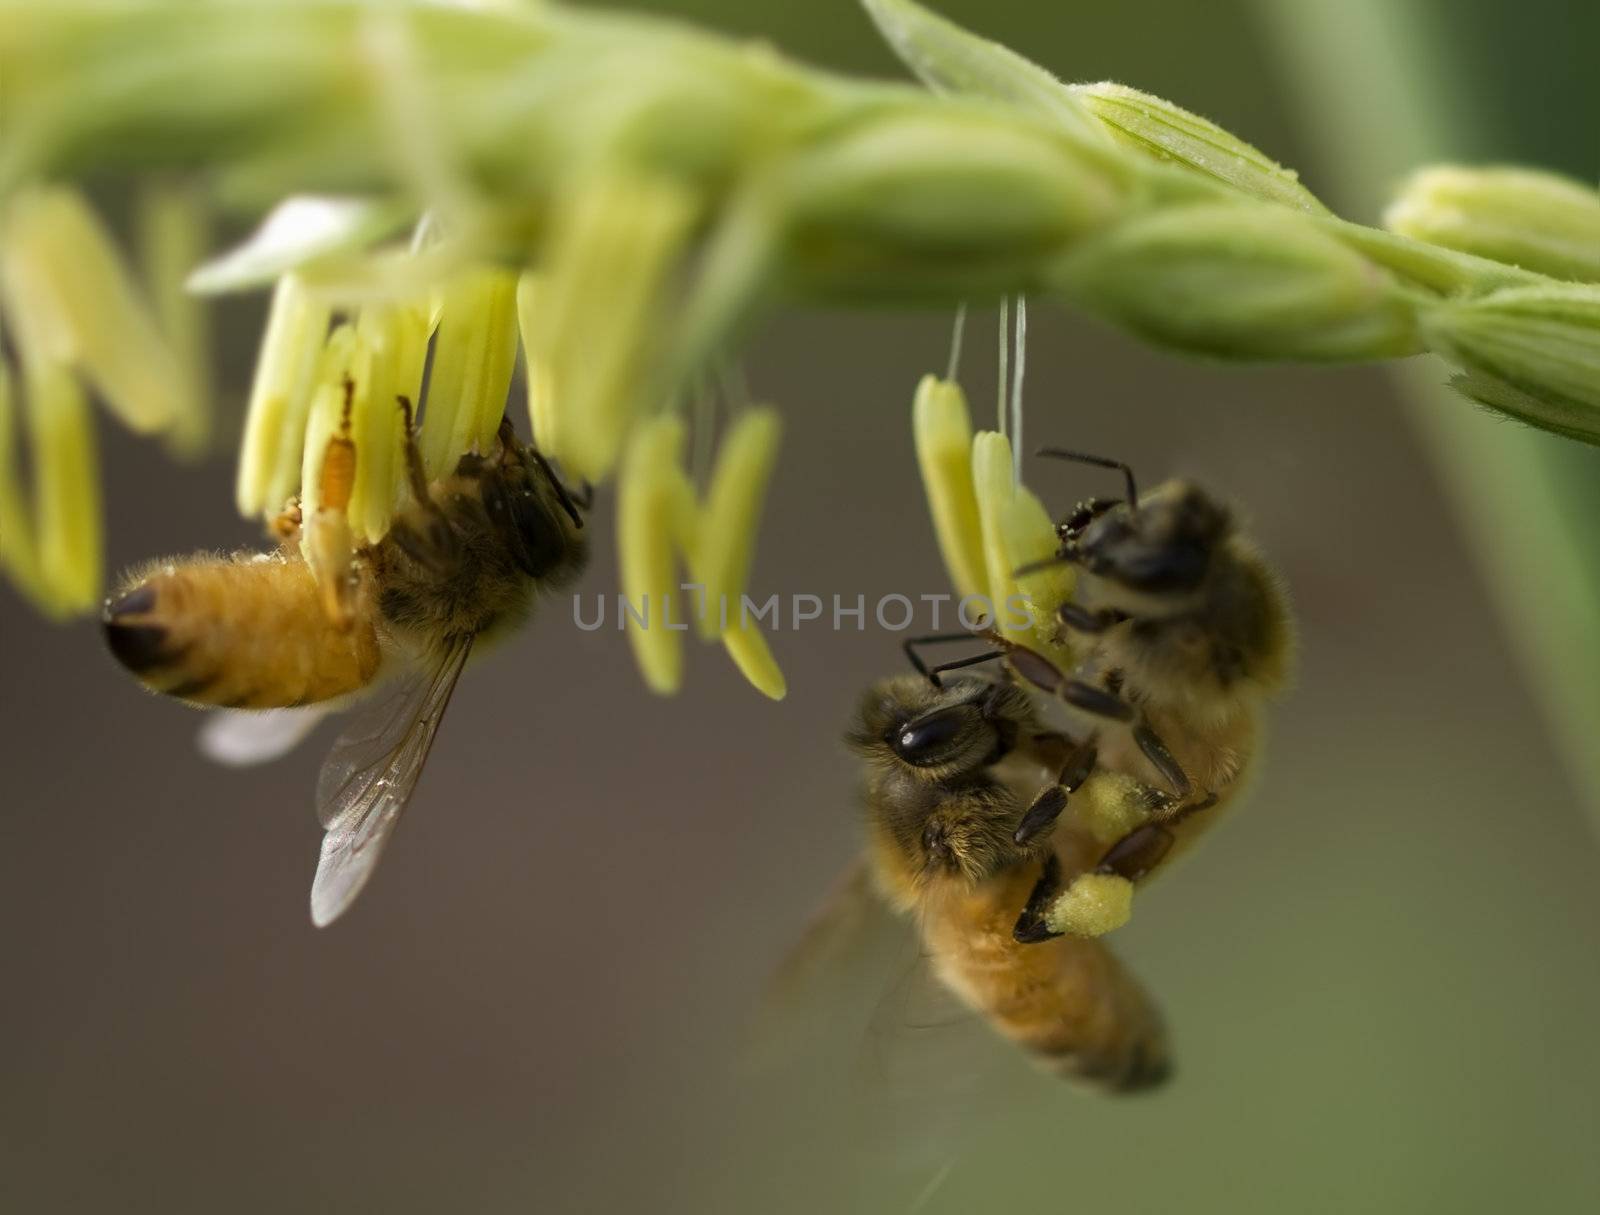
(1162, 546)
(536, 517)
(938, 734)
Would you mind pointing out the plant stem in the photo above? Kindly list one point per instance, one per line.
(1539, 564)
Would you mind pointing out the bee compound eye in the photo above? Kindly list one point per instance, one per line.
(932, 737)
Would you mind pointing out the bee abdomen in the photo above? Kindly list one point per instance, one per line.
(1125, 1052)
(242, 632)
(1089, 1020)
(1067, 1001)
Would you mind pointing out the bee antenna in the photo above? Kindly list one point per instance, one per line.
(1057, 453)
(562, 493)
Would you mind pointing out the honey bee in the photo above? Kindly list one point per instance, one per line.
(261, 632)
(949, 768)
(1185, 632)
(1008, 839)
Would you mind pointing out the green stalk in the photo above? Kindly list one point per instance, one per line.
(1514, 489)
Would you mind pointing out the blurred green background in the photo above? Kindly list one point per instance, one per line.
(1381, 976)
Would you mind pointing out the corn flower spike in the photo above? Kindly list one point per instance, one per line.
(1168, 132)
(1244, 281)
(942, 428)
(731, 516)
(66, 484)
(543, 402)
(270, 457)
(1030, 537)
(615, 237)
(18, 554)
(339, 359)
(1540, 221)
(475, 355)
(329, 544)
(994, 486)
(648, 501)
(685, 518)
(1537, 347)
(173, 232)
(62, 267)
(377, 422)
(748, 648)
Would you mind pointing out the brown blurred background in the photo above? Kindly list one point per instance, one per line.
(1381, 976)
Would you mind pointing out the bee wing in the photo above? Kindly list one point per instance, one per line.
(827, 990)
(239, 738)
(368, 778)
(855, 1020)
(850, 916)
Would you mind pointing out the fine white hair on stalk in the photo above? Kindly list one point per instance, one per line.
(1000, 395)
(1020, 341)
(958, 333)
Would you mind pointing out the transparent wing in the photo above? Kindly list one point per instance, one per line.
(239, 738)
(368, 778)
(859, 973)
(856, 1022)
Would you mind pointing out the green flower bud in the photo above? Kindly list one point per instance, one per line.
(1540, 221)
(1243, 282)
(1167, 132)
(957, 200)
(1532, 352)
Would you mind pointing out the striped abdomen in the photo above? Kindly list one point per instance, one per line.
(1067, 1001)
(247, 631)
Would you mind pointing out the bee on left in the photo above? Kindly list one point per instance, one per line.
(263, 633)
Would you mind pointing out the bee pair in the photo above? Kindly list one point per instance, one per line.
(282, 644)
(1015, 843)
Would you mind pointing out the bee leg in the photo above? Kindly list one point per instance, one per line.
(1030, 665)
(1030, 927)
(1081, 620)
(284, 527)
(428, 541)
(1137, 853)
(416, 474)
(1097, 902)
(507, 434)
(1101, 702)
(1047, 807)
(911, 646)
(1096, 700)
(1156, 752)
